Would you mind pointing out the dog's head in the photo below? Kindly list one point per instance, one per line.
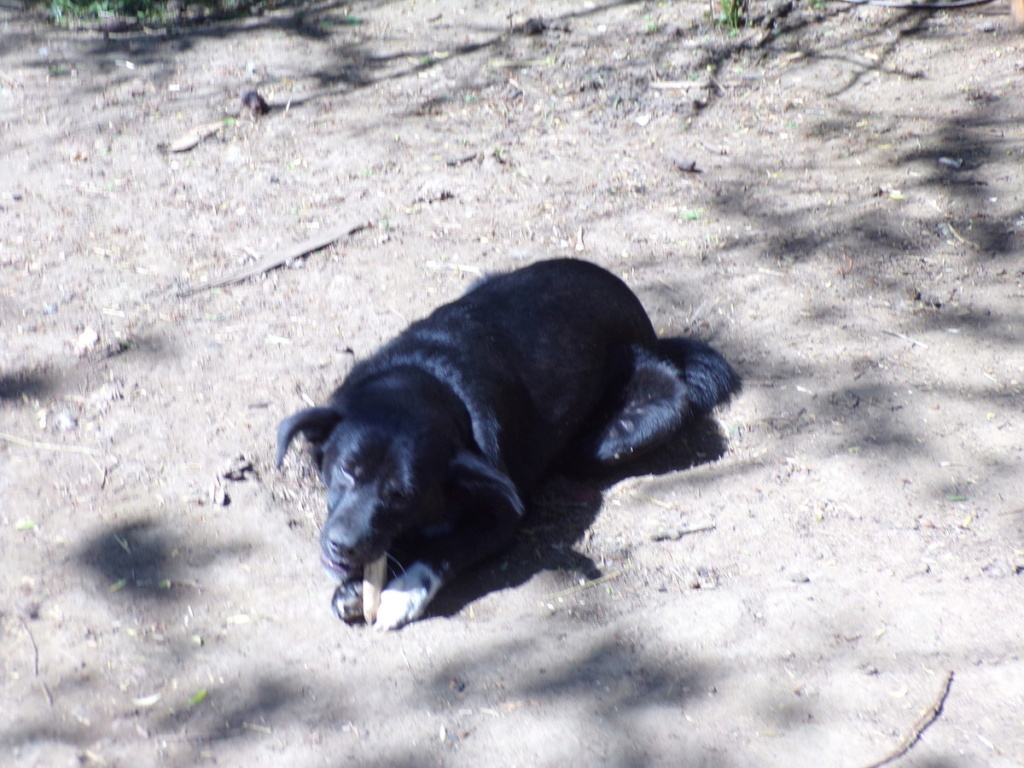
(387, 477)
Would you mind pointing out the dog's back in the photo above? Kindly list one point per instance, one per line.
(538, 351)
(529, 350)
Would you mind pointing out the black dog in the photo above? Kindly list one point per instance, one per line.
(430, 446)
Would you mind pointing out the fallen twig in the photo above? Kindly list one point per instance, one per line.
(687, 166)
(915, 342)
(92, 453)
(960, 237)
(718, 85)
(194, 136)
(691, 321)
(927, 718)
(299, 250)
(677, 85)
(48, 446)
(584, 585)
(678, 534)
(458, 268)
(456, 161)
(35, 660)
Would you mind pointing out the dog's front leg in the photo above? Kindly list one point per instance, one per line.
(440, 553)
(406, 596)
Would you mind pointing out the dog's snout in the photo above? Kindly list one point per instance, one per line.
(350, 541)
(339, 545)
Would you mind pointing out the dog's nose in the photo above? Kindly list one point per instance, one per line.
(346, 545)
(339, 546)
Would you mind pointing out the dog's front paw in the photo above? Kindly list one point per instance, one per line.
(406, 597)
(347, 602)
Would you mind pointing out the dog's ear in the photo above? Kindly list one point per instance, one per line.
(315, 423)
(474, 477)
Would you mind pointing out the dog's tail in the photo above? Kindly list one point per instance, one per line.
(709, 379)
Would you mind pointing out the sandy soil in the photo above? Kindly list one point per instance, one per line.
(834, 200)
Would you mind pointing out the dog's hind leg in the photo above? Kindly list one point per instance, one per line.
(709, 379)
(681, 379)
(651, 407)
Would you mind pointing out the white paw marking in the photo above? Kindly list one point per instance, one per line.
(406, 597)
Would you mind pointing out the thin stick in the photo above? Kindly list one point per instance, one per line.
(304, 248)
(456, 161)
(440, 265)
(907, 338)
(676, 85)
(48, 446)
(585, 585)
(678, 534)
(959, 236)
(927, 718)
(718, 85)
(90, 453)
(35, 660)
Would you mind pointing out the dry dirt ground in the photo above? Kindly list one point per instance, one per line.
(834, 200)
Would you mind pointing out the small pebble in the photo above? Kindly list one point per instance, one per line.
(86, 341)
(66, 422)
(255, 103)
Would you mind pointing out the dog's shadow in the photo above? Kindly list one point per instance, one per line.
(561, 512)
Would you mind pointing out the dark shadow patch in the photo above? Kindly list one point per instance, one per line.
(225, 715)
(145, 559)
(242, 711)
(25, 383)
(52, 379)
(146, 346)
(133, 556)
(619, 677)
(628, 679)
(562, 510)
(77, 736)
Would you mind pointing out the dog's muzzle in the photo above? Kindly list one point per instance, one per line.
(340, 571)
